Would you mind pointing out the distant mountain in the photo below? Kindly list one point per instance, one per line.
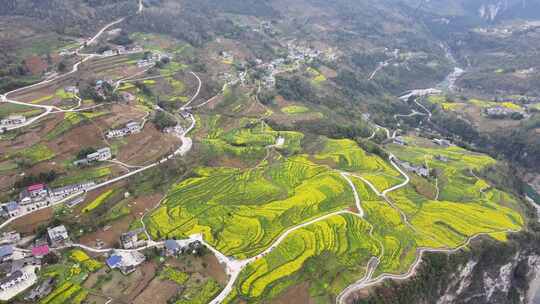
(483, 10)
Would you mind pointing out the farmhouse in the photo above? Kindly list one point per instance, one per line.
(71, 90)
(442, 142)
(33, 197)
(127, 97)
(40, 251)
(62, 192)
(13, 280)
(102, 154)
(41, 290)
(12, 120)
(130, 240)
(172, 248)
(418, 170)
(126, 262)
(442, 158)
(57, 236)
(501, 112)
(130, 128)
(400, 141)
(37, 190)
(6, 253)
(10, 209)
(10, 237)
(17, 282)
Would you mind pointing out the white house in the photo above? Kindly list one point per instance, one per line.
(59, 193)
(130, 128)
(102, 154)
(12, 280)
(13, 120)
(57, 235)
(71, 89)
(11, 209)
(125, 261)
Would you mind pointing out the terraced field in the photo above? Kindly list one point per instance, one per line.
(250, 140)
(329, 253)
(242, 212)
(400, 226)
(346, 155)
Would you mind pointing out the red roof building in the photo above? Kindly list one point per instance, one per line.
(36, 187)
(40, 251)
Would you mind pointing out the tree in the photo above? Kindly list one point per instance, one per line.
(163, 120)
(62, 66)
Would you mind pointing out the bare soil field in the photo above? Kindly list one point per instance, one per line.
(167, 290)
(147, 146)
(295, 294)
(29, 224)
(206, 266)
(111, 236)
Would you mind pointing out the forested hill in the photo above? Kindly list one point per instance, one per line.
(69, 16)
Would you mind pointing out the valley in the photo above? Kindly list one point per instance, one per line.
(273, 154)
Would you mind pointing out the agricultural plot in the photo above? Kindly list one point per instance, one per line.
(318, 253)
(345, 154)
(99, 200)
(330, 254)
(245, 211)
(467, 205)
(446, 104)
(292, 110)
(251, 140)
(35, 154)
(69, 277)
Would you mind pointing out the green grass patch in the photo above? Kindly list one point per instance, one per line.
(174, 275)
(291, 110)
(36, 153)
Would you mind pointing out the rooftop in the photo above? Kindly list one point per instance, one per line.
(40, 250)
(6, 250)
(36, 187)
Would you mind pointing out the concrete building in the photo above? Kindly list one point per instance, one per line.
(11, 209)
(6, 253)
(442, 142)
(10, 237)
(102, 154)
(71, 90)
(172, 248)
(126, 262)
(130, 240)
(127, 97)
(62, 192)
(13, 280)
(418, 170)
(12, 120)
(57, 236)
(40, 251)
(400, 141)
(130, 128)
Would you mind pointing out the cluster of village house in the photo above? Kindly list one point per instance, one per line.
(297, 54)
(422, 170)
(39, 196)
(11, 121)
(152, 59)
(121, 50)
(100, 155)
(130, 128)
(20, 264)
(14, 261)
(501, 112)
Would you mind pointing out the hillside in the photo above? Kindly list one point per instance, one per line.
(348, 151)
